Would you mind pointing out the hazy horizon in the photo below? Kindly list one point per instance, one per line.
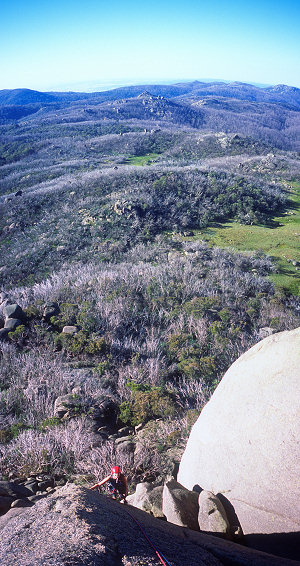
(56, 45)
(98, 86)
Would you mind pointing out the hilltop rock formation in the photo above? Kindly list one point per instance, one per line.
(245, 444)
(78, 526)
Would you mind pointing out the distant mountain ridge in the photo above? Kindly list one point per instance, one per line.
(21, 96)
(269, 114)
(278, 94)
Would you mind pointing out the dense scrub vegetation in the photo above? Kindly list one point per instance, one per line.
(129, 315)
(102, 220)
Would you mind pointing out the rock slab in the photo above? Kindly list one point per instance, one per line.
(245, 443)
(77, 526)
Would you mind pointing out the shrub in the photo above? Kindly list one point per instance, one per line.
(31, 453)
(18, 335)
(173, 438)
(176, 342)
(33, 311)
(102, 367)
(191, 417)
(82, 343)
(49, 423)
(275, 322)
(67, 316)
(85, 318)
(146, 405)
(5, 436)
(17, 428)
(192, 366)
(199, 306)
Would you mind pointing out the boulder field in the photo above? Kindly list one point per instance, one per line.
(244, 446)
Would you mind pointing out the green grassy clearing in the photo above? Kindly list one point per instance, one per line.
(280, 241)
(142, 159)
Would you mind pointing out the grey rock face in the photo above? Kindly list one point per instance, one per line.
(125, 431)
(45, 484)
(264, 332)
(12, 489)
(180, 506)
(14, 311)
(4, 301)
(105, 413)
(11, 324)
(70, 330)
(5, 503)
(245, 444)
(78, 526)
(125, 450)
(32, 486)
(63, 404)
(50, 309)
(3, 334)
(120, 440)
(148, 498)
(212, 516)
(21, 503)
(3, 297)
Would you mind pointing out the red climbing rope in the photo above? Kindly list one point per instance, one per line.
(161, 557)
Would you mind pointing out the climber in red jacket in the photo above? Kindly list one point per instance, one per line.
(116, 482)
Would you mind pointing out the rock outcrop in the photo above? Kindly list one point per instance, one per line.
(77, 526)
(180, 506)
(245, 444)
(25, 494)
(50, 309)
(66, 405)
(11, 316)
(212, 516)
(148, 498)
(13, 311)
(183, 507)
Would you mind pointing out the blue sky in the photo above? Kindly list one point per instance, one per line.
(59, 45)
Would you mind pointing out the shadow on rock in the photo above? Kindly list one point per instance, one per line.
(286, 545)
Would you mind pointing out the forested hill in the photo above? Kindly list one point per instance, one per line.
(278, 94)
(270, 114)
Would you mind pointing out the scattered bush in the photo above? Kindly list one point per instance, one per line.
(81, 343)
(146, 405)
